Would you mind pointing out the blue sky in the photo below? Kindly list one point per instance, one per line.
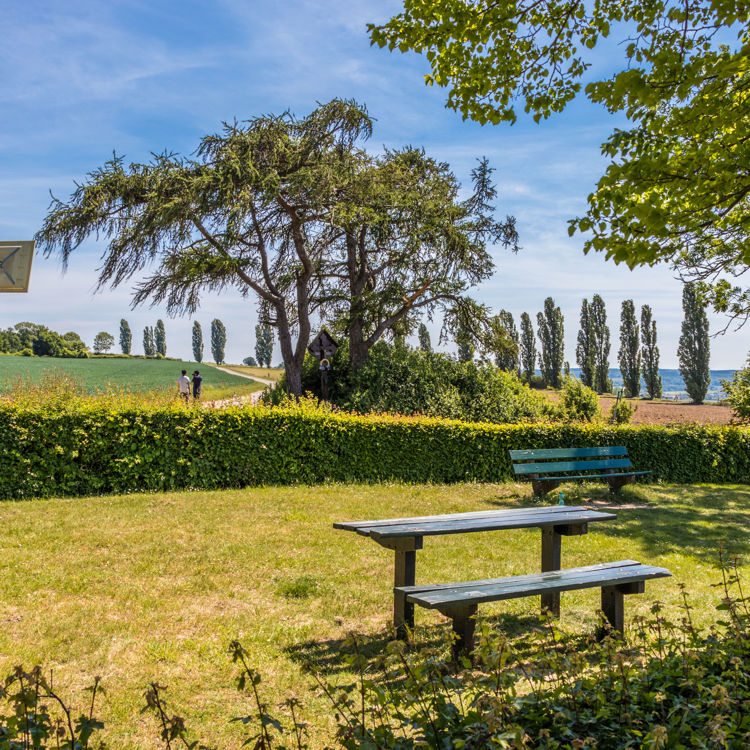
(81, 79)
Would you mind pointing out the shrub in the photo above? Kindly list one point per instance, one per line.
(622, 412)
(738, 392)
(77, 446)
(579, 402)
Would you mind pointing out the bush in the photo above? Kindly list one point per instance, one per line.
(622, 412)
(78, 446)
(738, 392)
(400, 380)
(578, 402)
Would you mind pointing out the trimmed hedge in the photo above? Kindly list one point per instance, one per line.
(95, 449)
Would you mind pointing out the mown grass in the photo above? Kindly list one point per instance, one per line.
(154, 586)
(136, 375)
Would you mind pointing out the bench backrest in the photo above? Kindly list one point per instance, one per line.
(553, 460)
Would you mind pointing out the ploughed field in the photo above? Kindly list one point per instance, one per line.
(673, 412)
(149, 587)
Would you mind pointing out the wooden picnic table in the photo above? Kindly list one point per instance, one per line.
(405, 536)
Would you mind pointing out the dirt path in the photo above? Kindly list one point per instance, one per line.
(265, 381)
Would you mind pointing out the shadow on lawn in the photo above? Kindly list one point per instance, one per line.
(325, 656)
(695, 523)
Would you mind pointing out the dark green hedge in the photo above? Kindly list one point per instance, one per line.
(95, 449)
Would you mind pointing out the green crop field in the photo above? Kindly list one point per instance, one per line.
(136, 374)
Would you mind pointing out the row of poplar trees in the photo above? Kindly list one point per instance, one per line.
(638, 355)
(154, 339)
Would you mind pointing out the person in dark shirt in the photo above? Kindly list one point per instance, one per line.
(197, 380)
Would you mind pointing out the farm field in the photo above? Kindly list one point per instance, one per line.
(154, 586)
(137, 374)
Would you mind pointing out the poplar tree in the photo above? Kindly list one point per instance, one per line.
(149, 348)
(197, 342)
(263, 344)
(527, 347)
(424, 338)
(464, 343)
(126, 337)
(218, 340)
(160, 338)
(506, 357)
(550, 330)
(600, 344)
(629, 355)
(584, 347)
(693, 352)
(650, 354)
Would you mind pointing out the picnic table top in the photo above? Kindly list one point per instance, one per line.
(485, 520)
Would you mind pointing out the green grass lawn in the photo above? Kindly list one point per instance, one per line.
(155, 586)
(136, 374)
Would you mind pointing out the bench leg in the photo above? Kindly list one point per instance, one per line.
(403, 611)
(463, 629)
(543, 486)
(613, 602)
(551, 549)
(616, 483)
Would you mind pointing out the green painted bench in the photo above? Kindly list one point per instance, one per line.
(459, 601)
(548, 468)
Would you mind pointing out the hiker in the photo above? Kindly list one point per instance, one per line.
(197, 380)
(183, 386)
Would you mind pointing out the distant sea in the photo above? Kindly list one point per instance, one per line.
(673, 386)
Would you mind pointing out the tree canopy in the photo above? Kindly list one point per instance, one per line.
(677, 188)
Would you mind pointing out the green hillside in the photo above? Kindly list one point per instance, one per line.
(136, 374)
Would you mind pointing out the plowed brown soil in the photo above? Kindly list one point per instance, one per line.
(670, 412)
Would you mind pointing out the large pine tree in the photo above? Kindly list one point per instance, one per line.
(629, 354)
(694, 350)
(527, 347)
(650, 354)
(584, 347)
(550, 329)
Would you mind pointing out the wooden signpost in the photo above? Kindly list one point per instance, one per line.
(15, 265)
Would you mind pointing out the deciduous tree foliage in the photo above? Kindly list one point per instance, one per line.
(650, 354)
(694, 350)
(527, 347)
(263, 344)
(551, 332)
(197, 342)
(585, 346)
(506, 355)
(103, 342)
(126, 337)
(677, 188)
(600, 345)
(149, 346)
(629, 355)
(218, 340)
(424, 338)
(160, 338)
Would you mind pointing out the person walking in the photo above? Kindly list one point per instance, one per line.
(183, 386)
(197, 380)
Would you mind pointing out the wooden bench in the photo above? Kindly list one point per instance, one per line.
(405, 536)
(548, 468)
(459, 601)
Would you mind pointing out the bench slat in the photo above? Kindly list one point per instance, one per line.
(426, 587)
(551, 466)
(435, 528)
(539, 583)
(364, 526)
(566, 477)
(529, 455)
